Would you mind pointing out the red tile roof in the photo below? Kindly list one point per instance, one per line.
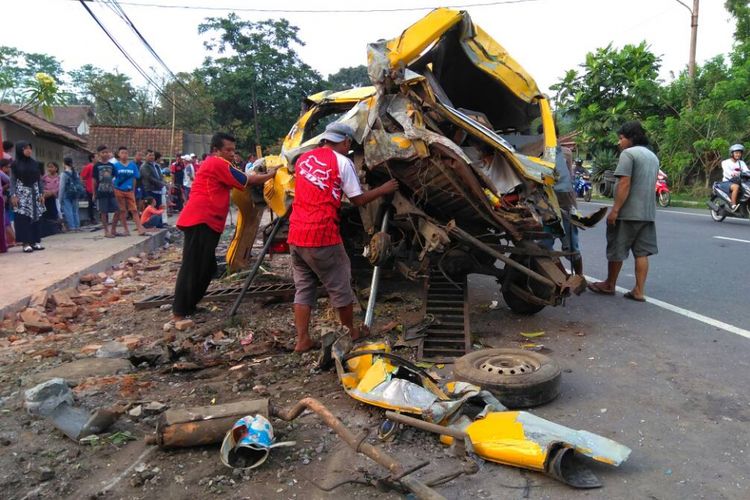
(42, 127)
(71, 116)
(141, 138)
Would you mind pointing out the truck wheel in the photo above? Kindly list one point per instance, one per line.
(518, 378)
(516, 285)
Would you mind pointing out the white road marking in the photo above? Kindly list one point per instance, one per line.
(687, 313)
(659, 209)
(731, 239)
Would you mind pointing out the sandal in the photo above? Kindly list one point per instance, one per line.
(27, 249)
(599, 288)
(629, 295)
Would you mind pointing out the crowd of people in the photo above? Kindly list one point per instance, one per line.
(38, 200)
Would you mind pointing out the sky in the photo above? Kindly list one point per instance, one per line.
(547, 37)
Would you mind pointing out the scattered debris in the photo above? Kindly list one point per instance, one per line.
(77, 423)
(532, 335)
(43, 399)
(248, 443)
(202, 425)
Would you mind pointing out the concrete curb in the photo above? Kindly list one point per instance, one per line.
(152, 242)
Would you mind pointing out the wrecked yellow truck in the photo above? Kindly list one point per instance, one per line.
(470, 139)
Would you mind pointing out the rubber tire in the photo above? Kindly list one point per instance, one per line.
(664, 198)
(715, 216)
(514, 391)
(587, 194)
(513, 301)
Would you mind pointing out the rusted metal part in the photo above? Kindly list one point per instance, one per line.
(448, 335)
(258, 261)
(425, 426)
(203, 425)
(358, 444)
(465, 237)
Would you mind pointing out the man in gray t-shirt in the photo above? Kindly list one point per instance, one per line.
(630, 223)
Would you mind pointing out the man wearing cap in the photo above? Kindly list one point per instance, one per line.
(321, 177)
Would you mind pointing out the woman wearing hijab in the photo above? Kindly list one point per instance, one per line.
(27, 197)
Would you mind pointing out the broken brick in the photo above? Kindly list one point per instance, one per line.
(31, 315)
(38, 326)
(90, 348)
(184, 324)
(134, 260)
(39, 299)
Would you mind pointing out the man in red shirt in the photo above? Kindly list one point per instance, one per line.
(321, 177)
(203, 219)
(87, 176)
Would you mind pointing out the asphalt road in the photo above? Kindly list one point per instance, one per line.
(651, 376)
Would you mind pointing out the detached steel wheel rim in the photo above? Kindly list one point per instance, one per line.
(508, 364)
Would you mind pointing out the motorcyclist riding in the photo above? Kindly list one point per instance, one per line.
(732, 167)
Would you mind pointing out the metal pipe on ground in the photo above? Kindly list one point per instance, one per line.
(358, 444)
(258, 262)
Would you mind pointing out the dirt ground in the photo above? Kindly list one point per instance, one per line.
(213, 362)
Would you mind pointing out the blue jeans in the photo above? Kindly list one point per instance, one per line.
(70, 213)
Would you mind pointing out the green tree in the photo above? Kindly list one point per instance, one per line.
(116, 101)
(348, 78)
(30, 80)
(255, 77)
(195, 111)
(612, 87)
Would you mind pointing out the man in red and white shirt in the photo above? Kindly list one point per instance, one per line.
(322, 177)
(203, 219)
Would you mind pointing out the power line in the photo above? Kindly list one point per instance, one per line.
(322, 11)
(121, 13)
(132, 61)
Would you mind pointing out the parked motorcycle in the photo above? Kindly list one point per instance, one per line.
(720, 201)
(582, 185)
(663, 196)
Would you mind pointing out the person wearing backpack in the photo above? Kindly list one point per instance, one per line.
(71, 190)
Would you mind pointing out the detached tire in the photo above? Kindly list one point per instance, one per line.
(518, 378)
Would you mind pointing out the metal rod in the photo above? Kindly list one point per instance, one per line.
(258, 262)
(454, 230)
(370, 312)
(421, 490)
(425, 426)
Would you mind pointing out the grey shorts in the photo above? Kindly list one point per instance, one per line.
(331, 265)
(107, 205)
(631, 235)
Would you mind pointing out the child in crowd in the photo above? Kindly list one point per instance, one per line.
(151, 216)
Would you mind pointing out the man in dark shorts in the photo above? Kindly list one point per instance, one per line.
(104, 173)
(321, 177)
(630, 223)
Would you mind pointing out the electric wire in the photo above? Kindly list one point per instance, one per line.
(130, 59)
(114, 5)
(325, 11)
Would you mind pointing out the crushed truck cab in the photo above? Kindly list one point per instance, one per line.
(470, 139)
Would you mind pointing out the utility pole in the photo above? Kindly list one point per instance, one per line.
(693, 35)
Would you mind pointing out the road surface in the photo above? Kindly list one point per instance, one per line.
(669, 379)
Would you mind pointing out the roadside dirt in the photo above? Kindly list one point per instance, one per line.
(215, 361)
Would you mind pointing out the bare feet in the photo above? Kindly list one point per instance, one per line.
(304, 345)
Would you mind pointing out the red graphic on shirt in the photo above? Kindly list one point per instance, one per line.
(317, 198)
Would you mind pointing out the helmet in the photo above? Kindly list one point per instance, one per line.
(579, 161)
(736, 147)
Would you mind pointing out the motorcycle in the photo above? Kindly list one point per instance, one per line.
(582, 185)
(720, 201)
(663, 196)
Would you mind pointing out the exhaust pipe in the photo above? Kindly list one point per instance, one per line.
(713, 206)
